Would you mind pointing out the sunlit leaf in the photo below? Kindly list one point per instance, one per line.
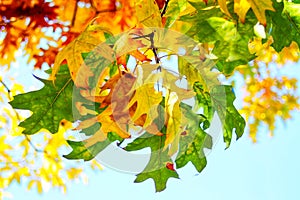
(49, 105)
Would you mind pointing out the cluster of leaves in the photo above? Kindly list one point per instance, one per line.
(33, 160)
(28, 24)
(37, 30)
(227, 32)
(234, 36)
(112, 99)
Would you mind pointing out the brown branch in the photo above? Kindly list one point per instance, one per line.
(74, 13)
(104, 11)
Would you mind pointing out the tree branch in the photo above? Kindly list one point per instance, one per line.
(74, 13)
(164, 9)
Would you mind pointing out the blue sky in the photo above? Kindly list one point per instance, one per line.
(267, 170)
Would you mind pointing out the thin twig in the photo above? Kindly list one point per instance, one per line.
(74, 13)
(33, 146)
(165, 8)
(8, 90)
(172, 54)
(39, 150)
(104, 11)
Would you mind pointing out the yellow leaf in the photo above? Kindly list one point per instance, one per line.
(89, 39)
(147, 99)
(30, 184)
(95, 165)
(169, 82)
(259, 7)
(39, 187)
(148, 13)
(108, 124)
(175, 124)
(241, 8)
(223, 6)
(289, 53)
(74, 173)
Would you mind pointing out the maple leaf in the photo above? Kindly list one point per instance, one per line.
(157, 167)
(80, 150)
(241, 8)
(286, 13)
(203, 100)
(223, 7)
(229, 116)
(259, 8)
(173, 11)
(175, 124)
(148, 13)
(192, 144)
(230, 40)
(49, 105)
(86, 42)
(197, 71)
(174, 95)
(147, 100)
(108, 124)
(48, 57)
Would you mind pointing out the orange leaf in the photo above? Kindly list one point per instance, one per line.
(121, 60)
(139, 56)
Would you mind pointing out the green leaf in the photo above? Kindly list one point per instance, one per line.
(204, 100)
(157, 166)
(192, 144)
(293, 10)
(173, 10)
(285, 25)
(199, 5)
(196, 70)
(230, 38)
(222, 100)
(81, 151)
(49, 105)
